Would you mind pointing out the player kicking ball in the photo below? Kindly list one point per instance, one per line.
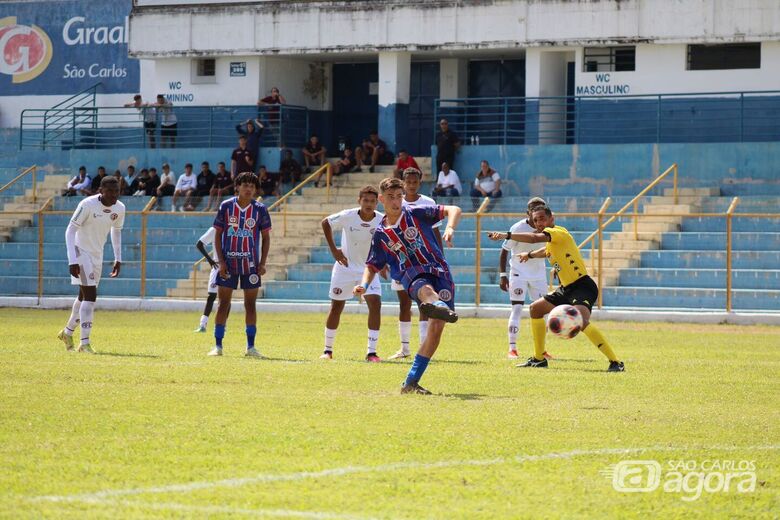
(412, 178)
(405, 242)
(577, 288)
(240, 223)
(525, 280)
(207, 239)
(85, 238)
(357, 228)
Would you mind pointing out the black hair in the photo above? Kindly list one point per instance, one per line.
(109, 180)
(247, 178)
(188, 165)
(546, 209)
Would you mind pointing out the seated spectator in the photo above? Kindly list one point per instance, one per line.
(94, 187)
(404, 161)
(269, 184)
(487, 184)
(241, 160)
(313, 153)
(448, 183)
(78, 184)
(253, 130)
(205, 181)
(373, 152)
(346, 164)
(122, 182)
(223, 185)
(140, 183)
(185, 187)
(151, 184)
(131, 180)
(167, 184)
(290, 169)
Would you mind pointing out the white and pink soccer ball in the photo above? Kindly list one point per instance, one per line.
(564, 321)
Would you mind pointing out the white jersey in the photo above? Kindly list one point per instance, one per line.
(356, 235)
(421, 202)
(533, 269)
(208, 239)
(93, 221)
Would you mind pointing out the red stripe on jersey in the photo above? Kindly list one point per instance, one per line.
(431, 250)
(417, 253)
(393, 236)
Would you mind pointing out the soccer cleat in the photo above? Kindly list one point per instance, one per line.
(372, 357)
(532, 362)
(370, 169)
(216, 351)
(400, 355)
(86, 349)
(253, 352)
(327, 355)
(68, 340)
(413, 388)
(512, 354)
(200, 329)
(547, 355)
(616, 366)
(439, 311)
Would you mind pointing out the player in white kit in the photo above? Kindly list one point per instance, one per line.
(207, 239)
(412, 178)
(85, 239)
(525, 281)
(357, 228)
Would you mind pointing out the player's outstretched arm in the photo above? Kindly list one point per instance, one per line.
(528, 238)
(453, 218)
(337, 253)
(530, 255)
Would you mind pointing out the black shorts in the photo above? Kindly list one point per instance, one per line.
(150, 128)
(582, 292)
(168, 131)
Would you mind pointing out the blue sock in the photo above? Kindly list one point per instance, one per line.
(418, 369)
(219, 333)
(251, 331)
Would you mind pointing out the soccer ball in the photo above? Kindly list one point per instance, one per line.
(565, 321)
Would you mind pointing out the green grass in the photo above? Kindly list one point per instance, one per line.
(152, 410)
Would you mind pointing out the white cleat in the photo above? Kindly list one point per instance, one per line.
(253, 352)
(400, 355)
(216, 351)
(86, 349)
(68, 340)
(200, 329)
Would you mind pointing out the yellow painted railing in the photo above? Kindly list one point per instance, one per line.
(32, 170)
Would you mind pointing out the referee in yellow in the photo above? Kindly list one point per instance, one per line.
(577, 288)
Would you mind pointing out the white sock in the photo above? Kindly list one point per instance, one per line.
(70, 328)
(423, 331)
(330, 338)
(373, 339)
(513, 327)
(405, 331)
(85, 314)
(204, 321)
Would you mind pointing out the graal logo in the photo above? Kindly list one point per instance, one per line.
(635, 476)
(25, 51)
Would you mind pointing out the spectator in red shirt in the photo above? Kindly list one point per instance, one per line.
(404, 161)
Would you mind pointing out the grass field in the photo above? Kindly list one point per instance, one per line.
(153, 428)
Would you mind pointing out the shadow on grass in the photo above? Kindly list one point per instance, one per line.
(127, 354)
(466, 397)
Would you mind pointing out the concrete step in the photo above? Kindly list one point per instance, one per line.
(612, 253)
(629, 235)
(653, 226)
(639, 245)
(700, 192)
(668, 208)
(694, 200)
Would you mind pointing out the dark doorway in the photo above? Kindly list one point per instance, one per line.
(354, 109)
(423, 91)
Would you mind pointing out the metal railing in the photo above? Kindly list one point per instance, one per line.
(662, 118)
(33, 172)
(89, 127)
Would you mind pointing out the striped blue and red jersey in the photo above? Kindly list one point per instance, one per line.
(241, 229)
(409, 247)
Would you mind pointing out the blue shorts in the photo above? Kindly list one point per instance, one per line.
(442, 285)
(248, 281)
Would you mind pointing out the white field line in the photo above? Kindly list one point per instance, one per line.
(102, 496)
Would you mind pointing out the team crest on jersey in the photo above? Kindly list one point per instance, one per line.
(518, 291)
(337, 290)
(250, 223)
(410, 233)
(556, 266)
(445, 295)
(253, 279)
(114, 216)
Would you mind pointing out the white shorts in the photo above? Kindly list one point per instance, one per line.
(526, 291)
(90, 269)
(213, 280)
(396, 286)
(343, 280)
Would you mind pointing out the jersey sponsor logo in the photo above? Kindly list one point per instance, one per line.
(253, 279)
(240, 233)
(250, 223)
(25, 50)
(233, 221)
(365, 225)
(114, 216)
(556, 266)
(445, 295)
(236, 254)
(337, 290)
(410, 233)
(107, 210)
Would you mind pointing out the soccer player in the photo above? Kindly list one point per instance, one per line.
(357, 227)
(405, 242)
(85, 238)
(525, 280)
(577, 288)
(240, 223)
(412, 178)
(207, 239)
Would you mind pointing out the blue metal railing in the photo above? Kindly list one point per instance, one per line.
(89, 127)
(61, 118)
(663, 118)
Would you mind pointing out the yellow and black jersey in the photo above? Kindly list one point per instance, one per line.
(564, 255)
